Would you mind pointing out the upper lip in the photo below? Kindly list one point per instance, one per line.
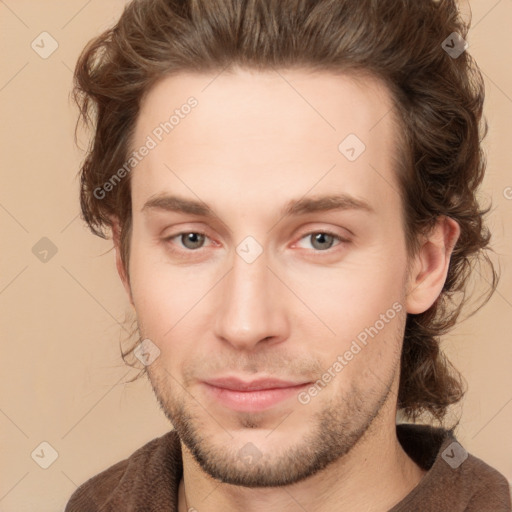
(236, 384)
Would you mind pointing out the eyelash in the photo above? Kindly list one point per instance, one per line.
(340, 239)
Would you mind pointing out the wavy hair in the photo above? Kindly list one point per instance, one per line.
(437, 107)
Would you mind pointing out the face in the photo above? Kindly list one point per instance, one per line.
(295, 270)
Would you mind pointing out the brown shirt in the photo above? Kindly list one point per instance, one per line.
(455, 481)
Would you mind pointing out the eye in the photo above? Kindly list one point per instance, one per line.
(190, 240)
(323, 240)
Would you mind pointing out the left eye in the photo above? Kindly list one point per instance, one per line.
(320, 240)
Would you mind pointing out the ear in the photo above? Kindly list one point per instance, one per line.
(121, 270)
(430, 266)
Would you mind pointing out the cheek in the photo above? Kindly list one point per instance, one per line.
(167, 298)
(363, 308)
(355, 293)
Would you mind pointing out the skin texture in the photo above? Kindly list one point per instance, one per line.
(254, 142)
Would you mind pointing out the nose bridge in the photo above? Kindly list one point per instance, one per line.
(250, 309)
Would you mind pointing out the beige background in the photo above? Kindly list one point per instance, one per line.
(62, 374)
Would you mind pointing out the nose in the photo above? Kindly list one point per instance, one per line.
(252, 306)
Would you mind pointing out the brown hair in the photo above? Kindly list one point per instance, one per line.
(438, 103)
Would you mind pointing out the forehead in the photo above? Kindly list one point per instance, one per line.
(268, 132)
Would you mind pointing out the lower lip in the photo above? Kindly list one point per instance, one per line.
(253, 401)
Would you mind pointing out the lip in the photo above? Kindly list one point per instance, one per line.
(236, 384)
(252, 396)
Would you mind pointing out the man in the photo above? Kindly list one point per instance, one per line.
(291, 188)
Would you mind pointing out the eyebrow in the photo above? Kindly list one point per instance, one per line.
(301, 206)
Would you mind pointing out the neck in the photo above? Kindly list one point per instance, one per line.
(376, 462)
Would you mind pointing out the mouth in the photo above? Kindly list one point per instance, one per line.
(252, 396)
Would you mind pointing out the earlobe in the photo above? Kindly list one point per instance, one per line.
(121, 270)
(430, 267)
